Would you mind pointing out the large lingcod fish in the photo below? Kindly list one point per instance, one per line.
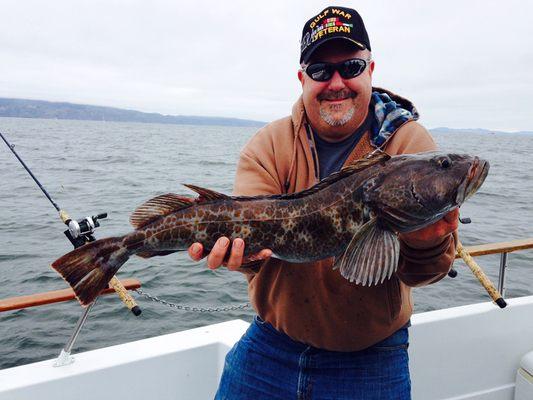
(353, 215)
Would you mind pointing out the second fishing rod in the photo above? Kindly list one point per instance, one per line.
(80, 231)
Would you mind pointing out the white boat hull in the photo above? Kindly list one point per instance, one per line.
(471, 352)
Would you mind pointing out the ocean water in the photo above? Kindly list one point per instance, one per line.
(92, 167)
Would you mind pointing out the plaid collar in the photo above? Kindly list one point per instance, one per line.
(389, 115)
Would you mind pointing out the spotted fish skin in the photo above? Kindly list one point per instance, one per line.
(304, 229)
(376, 198)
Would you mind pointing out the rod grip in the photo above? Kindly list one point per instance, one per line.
(126, 298)
(480, 275)
(64, 216)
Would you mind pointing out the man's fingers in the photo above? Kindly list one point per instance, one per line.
(216, 257)
(235, 258)
(263, 254)
(196, 251)
(218, 254)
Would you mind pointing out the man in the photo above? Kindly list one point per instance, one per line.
(318, 336)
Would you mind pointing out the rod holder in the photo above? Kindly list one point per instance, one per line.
(64, 357)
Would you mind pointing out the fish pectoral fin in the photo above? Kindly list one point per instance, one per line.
(206, 194)
(149, 254)
(360, 233)
(371, 256)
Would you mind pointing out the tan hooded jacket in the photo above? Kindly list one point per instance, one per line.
(312, 303)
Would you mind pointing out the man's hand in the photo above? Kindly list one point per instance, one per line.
(216, 258)
(432, 234)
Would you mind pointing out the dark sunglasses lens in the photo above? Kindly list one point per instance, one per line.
(320, 72)
(352, 68)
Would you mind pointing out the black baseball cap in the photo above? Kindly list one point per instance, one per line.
(333, 23)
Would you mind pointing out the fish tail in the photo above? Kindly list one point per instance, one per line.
(89, 268)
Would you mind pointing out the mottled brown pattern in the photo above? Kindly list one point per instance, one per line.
(317, 224)
(311, 227)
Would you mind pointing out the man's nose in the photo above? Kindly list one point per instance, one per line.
(336, 82)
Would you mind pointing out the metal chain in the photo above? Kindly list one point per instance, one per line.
(192, 308)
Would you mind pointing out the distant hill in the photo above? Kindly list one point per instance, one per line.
(21, 108)
(473, 130)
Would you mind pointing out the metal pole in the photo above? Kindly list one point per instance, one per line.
(501, 277)
(64, 357)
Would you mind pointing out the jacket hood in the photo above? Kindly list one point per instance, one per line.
(399, 100)
(390, 112)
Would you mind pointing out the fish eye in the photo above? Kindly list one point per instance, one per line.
(445, 162)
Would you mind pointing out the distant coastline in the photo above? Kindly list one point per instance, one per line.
(23, 108)
(476, 130)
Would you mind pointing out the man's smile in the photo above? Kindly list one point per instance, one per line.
(335, 101)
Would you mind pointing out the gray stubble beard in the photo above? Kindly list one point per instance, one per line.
(328, 118)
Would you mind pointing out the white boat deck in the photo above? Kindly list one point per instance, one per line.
(471, 352)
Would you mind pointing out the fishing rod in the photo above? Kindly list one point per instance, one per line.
(79, 232)
(478, 272)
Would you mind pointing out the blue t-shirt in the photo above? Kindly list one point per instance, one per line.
(333, 155)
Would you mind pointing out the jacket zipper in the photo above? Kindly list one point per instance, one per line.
(313, 151)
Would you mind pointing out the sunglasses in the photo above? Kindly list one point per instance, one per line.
(348, 69)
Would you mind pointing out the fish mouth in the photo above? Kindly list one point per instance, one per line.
(475, 177)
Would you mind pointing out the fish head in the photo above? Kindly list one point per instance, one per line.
(412, 191)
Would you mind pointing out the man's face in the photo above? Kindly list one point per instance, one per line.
(337, 107)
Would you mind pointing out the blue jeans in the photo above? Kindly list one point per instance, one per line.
(267, 364)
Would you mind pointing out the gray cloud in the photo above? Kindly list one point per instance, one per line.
(464, 64)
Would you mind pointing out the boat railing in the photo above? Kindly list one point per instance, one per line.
(502, 248)
(56, 296)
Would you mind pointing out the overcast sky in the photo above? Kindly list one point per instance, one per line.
(465, 64)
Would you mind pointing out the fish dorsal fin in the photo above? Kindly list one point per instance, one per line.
(206, 194)
(371, 256)
(356, 166)
(158, 207)
(375, 157)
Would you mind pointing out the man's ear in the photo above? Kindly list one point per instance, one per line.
(301, 76)
(371, 67)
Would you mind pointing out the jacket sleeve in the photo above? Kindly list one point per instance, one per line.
(420, 267)
(427, 265)
(258, 172)
(254, 176)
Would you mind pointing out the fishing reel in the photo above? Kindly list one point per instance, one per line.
(81, 231)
